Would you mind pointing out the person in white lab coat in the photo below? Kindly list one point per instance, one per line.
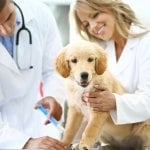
(113, 24)
(24, 63)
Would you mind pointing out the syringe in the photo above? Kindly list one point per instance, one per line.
(51, 119)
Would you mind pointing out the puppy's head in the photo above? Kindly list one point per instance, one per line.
(81, 61)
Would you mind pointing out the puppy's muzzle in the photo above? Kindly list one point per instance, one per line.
(84, 79)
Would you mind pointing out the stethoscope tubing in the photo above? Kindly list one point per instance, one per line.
(23, 27)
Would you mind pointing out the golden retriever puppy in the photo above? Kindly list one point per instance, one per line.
(84, 64)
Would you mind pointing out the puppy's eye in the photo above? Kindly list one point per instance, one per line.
(90, 59)
(74, 60)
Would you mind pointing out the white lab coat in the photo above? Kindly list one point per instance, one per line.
(19, 88)
(133, 71)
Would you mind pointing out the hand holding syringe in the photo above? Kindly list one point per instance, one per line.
(51, 119)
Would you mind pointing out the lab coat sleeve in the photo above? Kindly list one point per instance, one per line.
(52, 82)
(11, 138)
(135, 107)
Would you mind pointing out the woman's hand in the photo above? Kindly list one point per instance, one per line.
(52, 106)
(100, 99)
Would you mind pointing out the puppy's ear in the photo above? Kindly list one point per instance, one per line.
(101, 61)
(61, 64)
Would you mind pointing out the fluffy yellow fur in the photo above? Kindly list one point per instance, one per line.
(89, 59)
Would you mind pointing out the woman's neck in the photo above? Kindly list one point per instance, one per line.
(120, 43)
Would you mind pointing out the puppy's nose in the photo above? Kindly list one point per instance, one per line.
(84, 75)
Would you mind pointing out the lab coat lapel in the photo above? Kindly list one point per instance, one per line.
(7, 60)
(126, 56)
(124, 61)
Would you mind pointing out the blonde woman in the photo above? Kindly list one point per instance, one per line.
(113, 24)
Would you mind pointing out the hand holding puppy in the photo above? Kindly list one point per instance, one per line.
(100, 99)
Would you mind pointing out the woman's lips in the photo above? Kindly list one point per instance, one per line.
(101, 29)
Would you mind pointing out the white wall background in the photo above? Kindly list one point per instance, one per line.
(142, 10)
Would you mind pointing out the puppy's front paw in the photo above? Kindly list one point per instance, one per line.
(78, 147)
(86, 143)
(75, 146)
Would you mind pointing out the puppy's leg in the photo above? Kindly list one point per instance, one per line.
(92, 130)
(74, 119)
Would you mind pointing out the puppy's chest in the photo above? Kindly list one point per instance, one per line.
(75, 100)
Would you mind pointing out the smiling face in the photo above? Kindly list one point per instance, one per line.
(99, 23)
(7, 19)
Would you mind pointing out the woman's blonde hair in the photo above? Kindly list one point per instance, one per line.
(122, 12)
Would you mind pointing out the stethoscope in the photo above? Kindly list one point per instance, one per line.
(23, 28)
